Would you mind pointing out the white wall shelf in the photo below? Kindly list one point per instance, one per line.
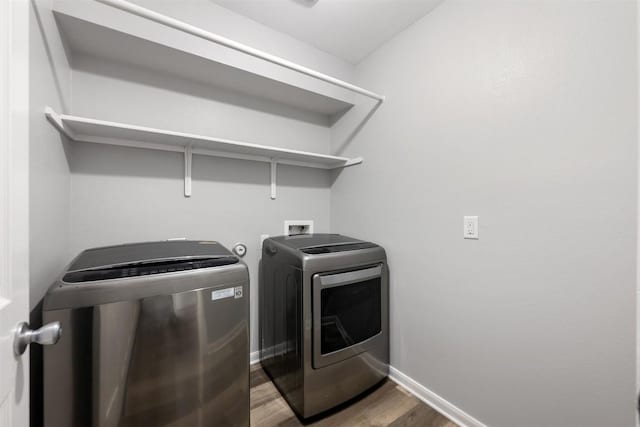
(147, 39)
(82, 129)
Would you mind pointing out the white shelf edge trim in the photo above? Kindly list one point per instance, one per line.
(275, 155)
(223, 41)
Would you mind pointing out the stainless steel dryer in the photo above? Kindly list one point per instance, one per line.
(324, 318)
(154, 334)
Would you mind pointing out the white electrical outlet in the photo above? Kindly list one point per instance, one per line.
(470, 227)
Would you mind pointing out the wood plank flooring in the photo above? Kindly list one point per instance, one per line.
(388, 405)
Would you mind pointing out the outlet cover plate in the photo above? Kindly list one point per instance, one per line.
(470, 227)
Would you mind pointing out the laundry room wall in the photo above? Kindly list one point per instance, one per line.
(126, 194)
(49, 186)
(49, 176)
(525, 114)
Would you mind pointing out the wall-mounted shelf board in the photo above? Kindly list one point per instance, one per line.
(84, 129)
(93, 29)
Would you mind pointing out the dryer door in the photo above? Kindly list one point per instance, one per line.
(347, 314)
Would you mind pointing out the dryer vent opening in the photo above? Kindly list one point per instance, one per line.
(297, 227)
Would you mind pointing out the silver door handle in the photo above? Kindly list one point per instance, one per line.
(351, 276)
(47, 335)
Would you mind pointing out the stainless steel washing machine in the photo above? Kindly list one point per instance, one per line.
(324, 318)
(154, 334)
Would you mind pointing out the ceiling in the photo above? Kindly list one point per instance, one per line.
(348, 29)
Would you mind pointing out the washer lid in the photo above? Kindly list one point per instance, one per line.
(139, 259)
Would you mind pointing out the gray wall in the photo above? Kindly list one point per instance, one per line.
(523, 113)
(124, 194)
(49, 186)
(49, 176)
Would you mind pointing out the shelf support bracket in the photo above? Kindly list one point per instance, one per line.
(188, 156)
(354, 161)
(56, 121)
(274, 171)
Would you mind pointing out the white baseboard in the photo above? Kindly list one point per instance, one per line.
(438, 403)
(441, 405)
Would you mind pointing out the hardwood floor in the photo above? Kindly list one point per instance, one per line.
(387, 405)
